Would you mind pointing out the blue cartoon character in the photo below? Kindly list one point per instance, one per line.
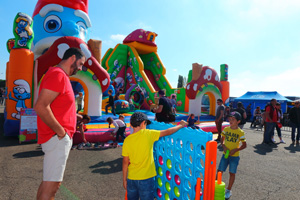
(117, 66)
(55, 19)
(23, 30)
(21, 93)
(129, 77)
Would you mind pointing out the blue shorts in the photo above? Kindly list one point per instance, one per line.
(232, 161)
(140, 189)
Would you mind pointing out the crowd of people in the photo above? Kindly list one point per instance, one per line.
(269, 119)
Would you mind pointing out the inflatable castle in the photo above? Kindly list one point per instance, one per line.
(135, 66)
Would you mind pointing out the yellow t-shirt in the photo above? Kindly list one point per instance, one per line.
(139, 148)
(233, 137)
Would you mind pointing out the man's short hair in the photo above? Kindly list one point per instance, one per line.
(161, 92)
(273, 100)
(239, 104)
(73, 51)
(220, 100)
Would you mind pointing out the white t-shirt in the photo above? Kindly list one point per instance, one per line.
(118, 123)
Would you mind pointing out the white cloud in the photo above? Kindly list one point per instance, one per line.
(118, 37)
(174, 70)
(263, 9)
(145, 26)
(284, 82)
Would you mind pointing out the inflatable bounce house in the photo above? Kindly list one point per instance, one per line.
(58, 25)
(136, 67)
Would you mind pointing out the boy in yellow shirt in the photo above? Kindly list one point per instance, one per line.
(138, 176)
(230, 140)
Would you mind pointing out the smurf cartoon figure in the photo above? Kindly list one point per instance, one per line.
(23, 29)
(21, 93)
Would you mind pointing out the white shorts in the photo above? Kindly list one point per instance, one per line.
(55, 158)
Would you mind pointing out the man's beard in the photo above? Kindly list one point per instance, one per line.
(74, 68)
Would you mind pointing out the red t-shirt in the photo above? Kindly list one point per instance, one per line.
(63, 106)
(274, 118)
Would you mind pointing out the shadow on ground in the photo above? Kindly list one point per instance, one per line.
(263, 148)
(108, 167)
(293, 148)
(28, 154)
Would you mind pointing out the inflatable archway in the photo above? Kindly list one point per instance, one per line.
(213, 94)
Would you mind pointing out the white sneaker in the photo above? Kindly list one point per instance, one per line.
(273, 140)
(281, 141)
(227, 194)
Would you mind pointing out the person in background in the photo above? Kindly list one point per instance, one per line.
(110, 103)
(278, 129)
(191, 120)
(1, 96)
(164, 108)
(56, 120)
(226, 114)
(82, 120)
(138, 176)
(79, 100)
(240, 109)
(219, 118)
(117, 95)
(271, 115)
(294, 116)
(256, 115)
(120, 127)
(130, 101)
(174, 103)
(248, 111)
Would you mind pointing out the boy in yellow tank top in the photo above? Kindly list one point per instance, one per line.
(138, 175)
(231, 138)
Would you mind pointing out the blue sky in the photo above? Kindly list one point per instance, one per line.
(258, 39)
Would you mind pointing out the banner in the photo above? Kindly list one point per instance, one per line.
(28, 125)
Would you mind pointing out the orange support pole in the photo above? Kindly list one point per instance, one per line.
(219, 179)
(210, 170)
(198, 189)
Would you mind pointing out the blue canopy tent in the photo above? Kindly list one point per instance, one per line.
(261, 99)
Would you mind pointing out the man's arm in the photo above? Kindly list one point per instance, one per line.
(125, 170)
(244, 115)
(159, 109)
(42, 108)
(172, 130)
(221, 115)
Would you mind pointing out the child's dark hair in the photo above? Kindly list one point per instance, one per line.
(109, 120)
(137, 118)
(86, 117)
(192, 114)
(110, 91)
(120, 115)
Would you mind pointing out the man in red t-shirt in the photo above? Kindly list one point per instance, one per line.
(271, 119)
(56, 120)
